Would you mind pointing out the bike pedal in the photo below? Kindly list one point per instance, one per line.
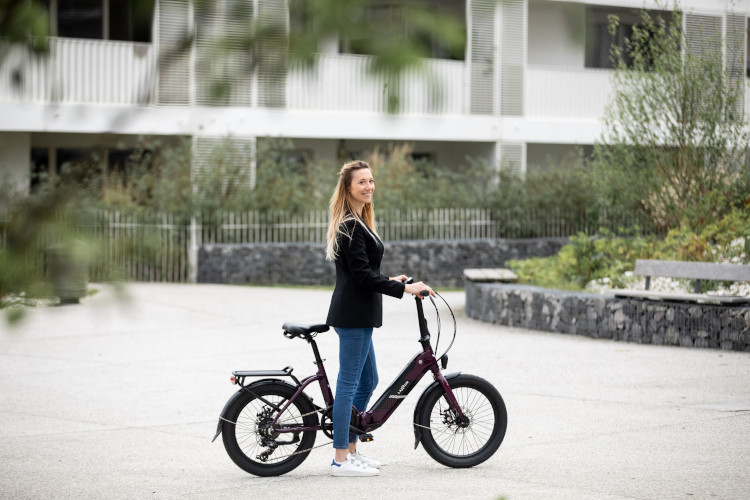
(366, 438)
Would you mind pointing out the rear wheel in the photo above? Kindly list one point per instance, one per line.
(254, 443)
(468, 441)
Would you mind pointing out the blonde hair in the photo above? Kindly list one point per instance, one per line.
(341, 209)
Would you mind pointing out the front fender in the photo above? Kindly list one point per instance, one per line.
(234, 398)
(420, 404)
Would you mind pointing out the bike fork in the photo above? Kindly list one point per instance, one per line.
(452, 401)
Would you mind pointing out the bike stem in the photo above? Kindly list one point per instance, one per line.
(424, 338)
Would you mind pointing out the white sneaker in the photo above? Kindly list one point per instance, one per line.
(352, 468)
(370, 462)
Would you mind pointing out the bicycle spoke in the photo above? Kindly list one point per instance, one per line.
(463, 439)
(258, 436)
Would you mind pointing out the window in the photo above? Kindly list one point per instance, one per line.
(131, 20)
(67, 158)
(80, 18)
(127, 20)
(39, 167)
(118, 165)
(599, 41)
(422, 157)
(391, 14)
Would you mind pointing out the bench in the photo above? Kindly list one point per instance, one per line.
(491, 275)
(697, 271)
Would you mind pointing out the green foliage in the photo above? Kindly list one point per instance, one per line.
(402, 183)
(29, 227)
(289, 183)
(674, 136)
(156, 178)
(586, 258)
(541, 271)
(557, 200)
(23, 21)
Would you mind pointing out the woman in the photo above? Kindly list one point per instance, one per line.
(356, 307)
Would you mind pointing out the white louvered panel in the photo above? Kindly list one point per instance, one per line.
(223, 58)
(273, 21)
(736, 32)
(482, 56)
(240, 151)
(703, 34)
(174, 64)
(513, 157)
(512, 50)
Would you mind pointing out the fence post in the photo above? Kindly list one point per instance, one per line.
(193, 251)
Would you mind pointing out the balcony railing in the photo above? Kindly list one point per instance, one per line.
(343, 83)
(79, 71)
(124, 73)
(571, 93)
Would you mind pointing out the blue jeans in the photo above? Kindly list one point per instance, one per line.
(358, 377)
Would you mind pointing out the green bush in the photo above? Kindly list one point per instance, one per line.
(403, 183)
(586, 258)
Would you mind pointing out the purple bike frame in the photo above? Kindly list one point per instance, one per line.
(393, 396)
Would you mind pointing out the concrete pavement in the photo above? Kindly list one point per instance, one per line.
(118, 397)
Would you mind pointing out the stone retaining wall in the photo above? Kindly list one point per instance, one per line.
(604, 316)
(438, 262)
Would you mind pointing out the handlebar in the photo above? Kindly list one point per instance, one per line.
(410, 280)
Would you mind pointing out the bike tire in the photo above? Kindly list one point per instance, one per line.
(470, 443)
(246, 433)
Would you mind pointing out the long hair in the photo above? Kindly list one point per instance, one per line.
(341, 209)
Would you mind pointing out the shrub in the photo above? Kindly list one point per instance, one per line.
(587, 258)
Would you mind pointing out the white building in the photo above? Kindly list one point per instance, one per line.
(531, 87)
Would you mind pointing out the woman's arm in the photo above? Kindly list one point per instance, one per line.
(354, 251)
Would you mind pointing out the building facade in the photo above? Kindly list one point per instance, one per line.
(529, 90)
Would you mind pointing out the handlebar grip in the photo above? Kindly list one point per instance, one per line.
(409, 280)
(424, 293)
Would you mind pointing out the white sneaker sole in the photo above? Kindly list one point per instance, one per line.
(340, 473)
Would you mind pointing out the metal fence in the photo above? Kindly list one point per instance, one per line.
(143, 247)
(162, 247)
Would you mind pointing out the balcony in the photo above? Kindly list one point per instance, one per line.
(80, 71)
(340, 82)
(567, 93)
(124, 73)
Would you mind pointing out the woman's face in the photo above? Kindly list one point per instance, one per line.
(362, 186)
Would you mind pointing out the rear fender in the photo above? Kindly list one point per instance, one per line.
(420, 404)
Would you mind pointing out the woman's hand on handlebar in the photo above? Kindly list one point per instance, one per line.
(418, 288)
(401, 278)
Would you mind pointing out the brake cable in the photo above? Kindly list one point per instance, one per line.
(439, 324)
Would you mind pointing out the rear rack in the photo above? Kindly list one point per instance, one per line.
(239, 376)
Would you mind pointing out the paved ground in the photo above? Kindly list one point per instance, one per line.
(119, 399)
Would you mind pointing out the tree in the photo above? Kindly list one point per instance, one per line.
(675, 135)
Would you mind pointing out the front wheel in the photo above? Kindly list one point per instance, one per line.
(466, 442)
(251, 439)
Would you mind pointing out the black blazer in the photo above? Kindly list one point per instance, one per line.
(357, 300)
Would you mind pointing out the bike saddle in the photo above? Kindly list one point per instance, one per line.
(292, 330)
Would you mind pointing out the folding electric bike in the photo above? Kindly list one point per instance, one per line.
(269, 426)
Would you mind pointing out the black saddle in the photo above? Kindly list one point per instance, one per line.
(292, 330)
